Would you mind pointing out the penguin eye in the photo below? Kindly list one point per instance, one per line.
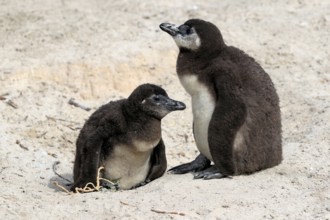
(156, 98)
(185, 29)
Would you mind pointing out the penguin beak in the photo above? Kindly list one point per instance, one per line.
(169, 28)
(172, 105)
(167, 103)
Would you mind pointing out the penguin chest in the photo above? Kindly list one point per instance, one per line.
(127, 165)
(203, 104)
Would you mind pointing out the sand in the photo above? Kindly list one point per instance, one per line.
(96, 51)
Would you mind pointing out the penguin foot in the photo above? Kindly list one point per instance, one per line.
(141, 184)
(200, 163)
(209, 173)
(108, 185)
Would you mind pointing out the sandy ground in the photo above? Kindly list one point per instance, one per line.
(96, 51)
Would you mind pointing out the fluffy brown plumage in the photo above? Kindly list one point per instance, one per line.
(244, 128)
(124, 136)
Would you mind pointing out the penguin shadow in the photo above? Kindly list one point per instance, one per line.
(60, 182)
(64, 181)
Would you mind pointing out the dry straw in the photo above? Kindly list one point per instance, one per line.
(89, 187)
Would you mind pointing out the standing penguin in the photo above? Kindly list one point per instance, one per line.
(125, 138)
(236, 113)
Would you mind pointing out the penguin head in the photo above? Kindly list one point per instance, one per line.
(154, 101)
(194, 34)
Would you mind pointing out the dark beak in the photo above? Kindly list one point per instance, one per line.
(173, 105)
(169, 28)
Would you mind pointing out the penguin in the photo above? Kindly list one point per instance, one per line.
(235, 106)
(125, 138)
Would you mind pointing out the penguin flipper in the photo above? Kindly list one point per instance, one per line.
(200, 163)
(90, 156)
(89, 146)
(228, 116)
(158, 162)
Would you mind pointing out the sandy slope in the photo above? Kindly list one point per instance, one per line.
(95, 51)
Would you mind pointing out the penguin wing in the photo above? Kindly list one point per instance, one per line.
(158, 162)
(97, 130)
(228, 116)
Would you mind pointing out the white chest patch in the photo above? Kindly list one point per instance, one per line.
(191, 41)
(203, 105)
(129, 164)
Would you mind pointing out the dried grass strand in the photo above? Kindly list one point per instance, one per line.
(89, 187)
(164, 212)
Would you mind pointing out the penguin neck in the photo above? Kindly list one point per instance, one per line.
(134, 116)
(190, 62)
(201, 53)
(143, 127)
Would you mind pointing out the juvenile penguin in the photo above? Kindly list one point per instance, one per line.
(236, 113)
(124, 137)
